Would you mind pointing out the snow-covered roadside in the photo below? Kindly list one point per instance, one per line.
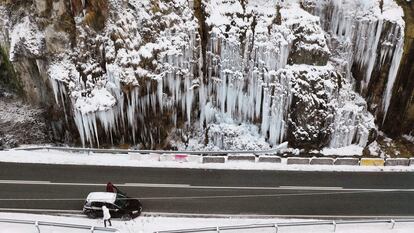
(156, 223)
(138, 225)
(151, 160)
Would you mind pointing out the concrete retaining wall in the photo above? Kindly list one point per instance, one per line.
(273, 159)
(298, 160)
(167, 157)
(177, 157)
(145, 157)
(269, 159)
(181, 157)
(347, 161)
(241, 158)
(214, 159)
(322, 161)
(397, 162)
(372, 162)
(194, 158)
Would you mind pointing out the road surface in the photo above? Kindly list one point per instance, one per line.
(33, 187)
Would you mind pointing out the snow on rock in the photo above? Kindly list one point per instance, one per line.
(309, 45)
(409, 138)
(272, 70)
(374, 149)
(26, 40)
(4, 24)
(392, 12)
(245, 53)
(21, 123)
(371, 32)
(251, 50)
(353, 123)
(313, 89)
(226, 136)
(97, 100)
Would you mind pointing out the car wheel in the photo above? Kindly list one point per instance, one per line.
(126, 217)
(92, 215)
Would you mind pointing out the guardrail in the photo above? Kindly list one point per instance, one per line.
(125, 151)
(37, 224)
(270, 156)
(277, 226)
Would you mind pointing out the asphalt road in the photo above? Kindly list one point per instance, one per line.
(289, 193)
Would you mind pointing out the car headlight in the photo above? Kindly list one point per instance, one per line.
(135, 211)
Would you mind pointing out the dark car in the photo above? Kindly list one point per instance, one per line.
(119, 205)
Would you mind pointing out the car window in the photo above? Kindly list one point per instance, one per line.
(121, 200)
(97, 204)
(112, 206)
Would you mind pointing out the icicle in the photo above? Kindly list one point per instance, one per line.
(371, 56)
(265, 110)
(392, 75)
(188, 98)
(79, 125)
(55, 87)
(63, 95)
(160, 93)
(202, 103)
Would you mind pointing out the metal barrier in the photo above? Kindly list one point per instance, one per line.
(276, 226)
(126, 151)
(37, 224)
(179, 156)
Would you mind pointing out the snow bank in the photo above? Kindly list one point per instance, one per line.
(150, 224)
(137, 160)
(350, 150)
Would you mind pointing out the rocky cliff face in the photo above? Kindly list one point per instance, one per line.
(401, 110)
(210, 74)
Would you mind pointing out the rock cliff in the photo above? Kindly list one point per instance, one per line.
(213, 74)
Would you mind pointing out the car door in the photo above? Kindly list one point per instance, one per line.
(114, 210)
(97, 208)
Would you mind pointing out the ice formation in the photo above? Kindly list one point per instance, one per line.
(268, 65)
(373, 32)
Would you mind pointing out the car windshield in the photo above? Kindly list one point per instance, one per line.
(121, 200)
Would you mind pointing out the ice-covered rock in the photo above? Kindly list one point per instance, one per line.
(372, 34)
(138, 71)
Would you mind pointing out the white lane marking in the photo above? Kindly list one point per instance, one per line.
(326, 192)
(311, 188)
(166, 214)
(188, 186)
(155, 185)
(234, 187)
(24, 182)
(40, 210)
(46, 183)
(149, 185)
(152, 185)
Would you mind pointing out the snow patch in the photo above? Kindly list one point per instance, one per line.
(350, 150)
(26, 39)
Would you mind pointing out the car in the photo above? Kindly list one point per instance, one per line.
(119, 205)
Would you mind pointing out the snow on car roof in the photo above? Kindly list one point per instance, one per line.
(101, 197)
